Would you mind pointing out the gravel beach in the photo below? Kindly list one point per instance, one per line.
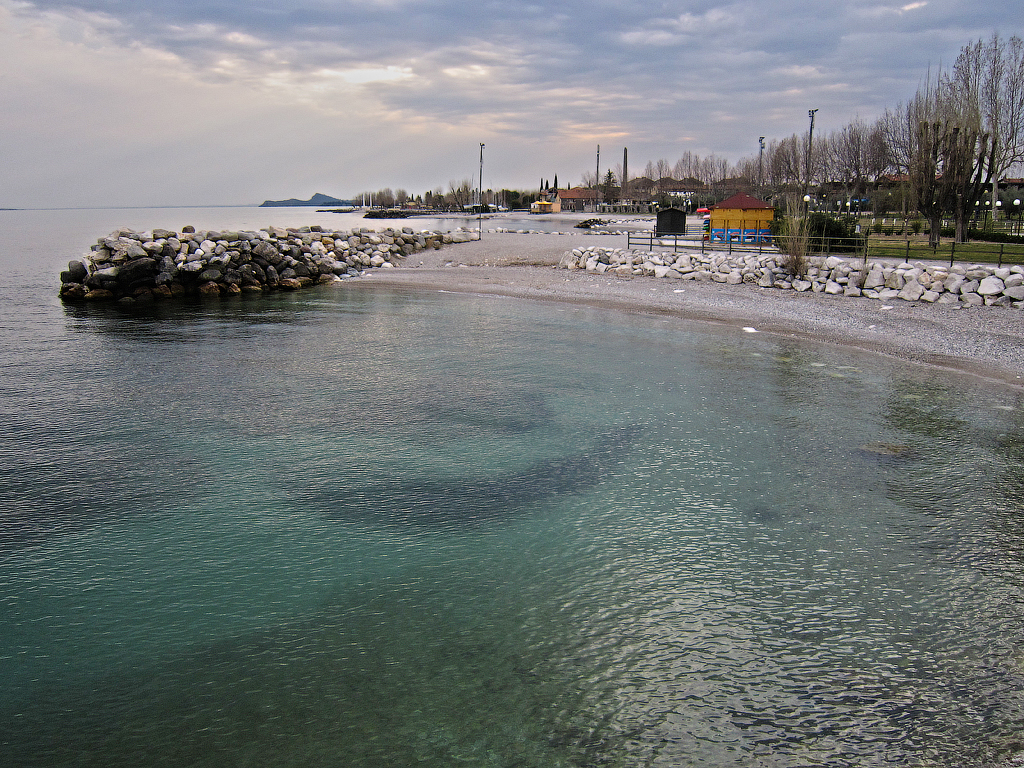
(986, 342)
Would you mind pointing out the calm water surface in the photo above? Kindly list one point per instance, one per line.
(360, 527)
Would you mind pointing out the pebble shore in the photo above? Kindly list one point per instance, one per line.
(973, 285)
(983, 338)
(984, 342)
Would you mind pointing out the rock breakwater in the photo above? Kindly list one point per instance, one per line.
(963, 285)
(129, 266)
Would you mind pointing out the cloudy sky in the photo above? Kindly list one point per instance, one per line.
(222, 102)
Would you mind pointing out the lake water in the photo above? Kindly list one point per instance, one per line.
(354, 526)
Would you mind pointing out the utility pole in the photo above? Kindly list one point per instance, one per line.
(810, 145)
(625, 173)
(760, 164)
(480, 209)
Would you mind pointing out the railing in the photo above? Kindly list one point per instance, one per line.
(651, 241)
(912, 250)
(847, 247)
(1000, 253)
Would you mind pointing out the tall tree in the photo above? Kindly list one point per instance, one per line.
(988, 78)
(938, 141)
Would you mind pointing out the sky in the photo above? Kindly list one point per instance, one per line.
(107, 103)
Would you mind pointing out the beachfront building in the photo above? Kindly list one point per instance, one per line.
(547, 201)
(546, 205)
(577, 199)
(741, 219)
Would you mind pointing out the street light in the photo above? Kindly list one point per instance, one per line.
(480, 202)
(760, 163)
(807, 204)
(1020, 214)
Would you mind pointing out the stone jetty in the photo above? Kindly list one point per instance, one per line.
(964, 285)
(129, 266)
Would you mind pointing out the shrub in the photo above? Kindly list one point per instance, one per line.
(916, 226)
(834, 235)
(794, 241)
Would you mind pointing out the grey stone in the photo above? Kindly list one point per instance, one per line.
(875, 279)
(894, 280)
(77, 271)
(912, 291)
(991, 286)
(998, 301)
(953, 283)
(1015, 292)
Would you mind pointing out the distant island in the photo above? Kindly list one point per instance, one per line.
(316, 200)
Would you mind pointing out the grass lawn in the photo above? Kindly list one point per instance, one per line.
(882, 247)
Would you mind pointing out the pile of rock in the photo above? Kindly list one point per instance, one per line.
(130, 266)
(975, 285)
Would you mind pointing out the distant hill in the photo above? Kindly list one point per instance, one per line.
(316, 200)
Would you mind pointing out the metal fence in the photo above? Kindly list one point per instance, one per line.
(847, 247)
(652, 242)
(911, 250)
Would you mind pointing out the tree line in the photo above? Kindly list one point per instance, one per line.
(944, 150)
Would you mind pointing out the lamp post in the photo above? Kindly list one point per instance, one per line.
(1020, 215)
(760, 163)
(480, 202)
(807, 204)
(810, 144)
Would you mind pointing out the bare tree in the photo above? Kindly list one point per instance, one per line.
(849, 154)
(938, 141)
(988, 78)
(686, 166)
(784, 161)
(459, 193)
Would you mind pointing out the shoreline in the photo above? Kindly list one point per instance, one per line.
(983, 342)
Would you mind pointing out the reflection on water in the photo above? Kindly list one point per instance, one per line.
(361, 527)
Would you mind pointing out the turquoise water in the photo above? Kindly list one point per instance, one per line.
(359, 527)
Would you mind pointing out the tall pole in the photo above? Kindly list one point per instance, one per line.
(597, 180)
(760, 164)
(810, 145)
(480, 209)
(625, 173)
